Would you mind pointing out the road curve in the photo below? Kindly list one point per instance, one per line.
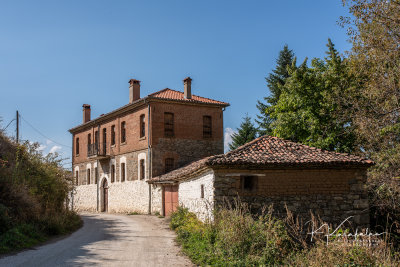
(108, 240)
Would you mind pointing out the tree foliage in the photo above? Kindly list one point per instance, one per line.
(275, 81)
(245, 133)
(374, 31)
(309, 110)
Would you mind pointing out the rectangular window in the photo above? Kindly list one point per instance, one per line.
(123, 132)
(89, 139)
(202, 191)
(122, 172)
(112, 173)
(142, 126)
(249, 183)
(96, 138)
(142, 169)
(77, 146)
(169, 165)
(104, 141)
(169, 124)
(88, 176)
(76, 177)
(113, 135)
(96, 175)
(207, 127)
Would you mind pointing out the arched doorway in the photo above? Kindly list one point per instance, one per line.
(104, 189)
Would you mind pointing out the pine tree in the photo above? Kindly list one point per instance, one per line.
(275, 81)
(245, 133)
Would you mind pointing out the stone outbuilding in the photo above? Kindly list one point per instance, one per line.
(270, 170)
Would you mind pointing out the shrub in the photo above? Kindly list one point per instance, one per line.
(235, 238)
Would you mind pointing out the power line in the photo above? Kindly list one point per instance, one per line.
(8, 124)
(42, 133)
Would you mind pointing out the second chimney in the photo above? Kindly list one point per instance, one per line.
(134, 90)
(187, 85)
(86, 113)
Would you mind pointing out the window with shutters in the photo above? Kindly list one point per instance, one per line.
(113, 135)
(169, 124)
(123, 132)
(77, 146)
(207, 127)
(142, 126)
(142, 170)
(88, 176)
(123, 172)
(112, 173)
(169, 165)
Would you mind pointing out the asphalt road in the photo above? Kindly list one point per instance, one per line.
(108, 240)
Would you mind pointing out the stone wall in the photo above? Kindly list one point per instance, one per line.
(190, 195)
(156, 199)
(334, 195)
(183, 151)
(85, 198)
(125, 197)
(130, 196)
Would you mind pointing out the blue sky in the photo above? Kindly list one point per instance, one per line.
(57, 55)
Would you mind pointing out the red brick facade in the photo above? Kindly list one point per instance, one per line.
(186, 145)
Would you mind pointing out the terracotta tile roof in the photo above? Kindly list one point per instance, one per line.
(270, 152)
(169, 94)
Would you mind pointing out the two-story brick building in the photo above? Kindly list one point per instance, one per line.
(115, 154)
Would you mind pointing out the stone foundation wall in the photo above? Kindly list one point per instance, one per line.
(183, 151)
(156, 199)
(190, 196)
(85, 198)
(125, 197)
(334, 195)
(129, 196)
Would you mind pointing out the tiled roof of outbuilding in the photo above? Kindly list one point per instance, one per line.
(169, 94)
(270, 152)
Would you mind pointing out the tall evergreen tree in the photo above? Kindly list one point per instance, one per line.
(245, 133)
(275, 81)
(309, 109)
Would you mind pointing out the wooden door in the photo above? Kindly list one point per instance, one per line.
(105, 196)
(170, 199)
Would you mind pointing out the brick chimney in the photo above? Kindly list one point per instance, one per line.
(86, 113)
(187, 85)
(134, 90)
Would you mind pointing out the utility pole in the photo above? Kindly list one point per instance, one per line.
(17, 127)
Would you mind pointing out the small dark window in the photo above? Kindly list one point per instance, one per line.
(112, 173)
(76, 177)
(113, 135)
(142, 126)
(202, 191)
(207, 127)
(249, 183)
(142, 169)
(122, 172)
(77, 146)
(169, 165)
(96, 175)
(168, 124)
(88, 176)
(89, 139)
(123, 132)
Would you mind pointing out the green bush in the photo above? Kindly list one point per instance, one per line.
(33, 191)
(235, 238)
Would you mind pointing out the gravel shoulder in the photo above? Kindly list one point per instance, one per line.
(108, 240)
